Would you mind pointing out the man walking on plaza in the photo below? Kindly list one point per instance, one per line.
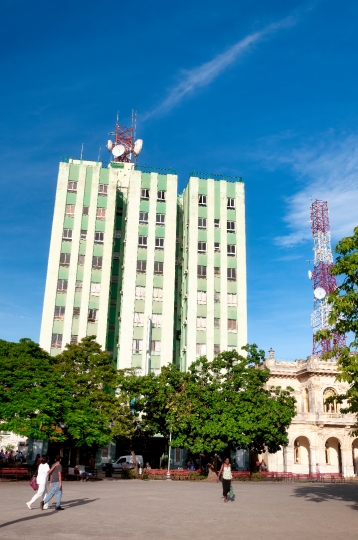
(55, 474)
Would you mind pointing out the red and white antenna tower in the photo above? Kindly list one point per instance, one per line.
(323, 281)
(124, 146)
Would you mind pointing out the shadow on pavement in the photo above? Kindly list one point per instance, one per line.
(50, 512)
(330, 492)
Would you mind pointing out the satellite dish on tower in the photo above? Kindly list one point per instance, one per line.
(138, 145)
(118, 150)
(309, 274)
(319, 293)
(110, 146)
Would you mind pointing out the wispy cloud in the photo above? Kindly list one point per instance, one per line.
(203, 75)
(327, 170)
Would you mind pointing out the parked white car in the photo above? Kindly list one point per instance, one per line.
(124, 462)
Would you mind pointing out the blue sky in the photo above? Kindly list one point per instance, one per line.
(264, 89)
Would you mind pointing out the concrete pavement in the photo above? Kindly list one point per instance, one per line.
(136, 509)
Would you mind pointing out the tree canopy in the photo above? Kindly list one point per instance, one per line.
(343, 318)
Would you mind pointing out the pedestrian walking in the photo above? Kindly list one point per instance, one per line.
(225, 472)
(55, 474)
(42, 477)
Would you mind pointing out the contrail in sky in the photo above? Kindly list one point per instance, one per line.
(206, 73)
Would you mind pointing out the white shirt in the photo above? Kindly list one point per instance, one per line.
(42, 473)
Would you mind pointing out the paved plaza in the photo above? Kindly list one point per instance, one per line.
(160, 510)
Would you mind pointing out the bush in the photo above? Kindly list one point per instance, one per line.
(128, 474)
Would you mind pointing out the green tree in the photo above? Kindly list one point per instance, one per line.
(343, 319)
(29, 394)
(215, 405)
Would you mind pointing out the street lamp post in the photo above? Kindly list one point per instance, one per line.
(169, 451)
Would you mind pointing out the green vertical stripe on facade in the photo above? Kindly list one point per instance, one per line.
(74, 173)
(88, 185)
(104, 176)
(162, 182)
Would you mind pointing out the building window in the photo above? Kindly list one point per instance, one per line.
(103, 189)
(201, 323)
(70, 210)
(111, 327)
(119, 211)
(160, 219)
(142, 241)
(161, 195)
(137, 346)
(67, 235)
(155, 347)
(56, 341)
(232, 325)
(143, 217)
(92, 315)
(201, 247)
(85, 210)
(216, 349)
(157, 320)
(306, 401)
(230, 203)
(330, 407)
(178, 456)
(231, 348)
(201, 271)
(98, 237)
(159, 243)
(72, 187)
(144, 194)
(139, 293)
(138, 319)
(62, 285)
(101, 213)
(115, 254)
(59, 313)
(114, 280)
(142, 266)
(216, 323)
(231, 226)
(216, 297)
(118, 233)
(217, 247)
(95, 289)
(96, 262)
(201, 297)
(158, 294)
(83, 234)
(217, 223)
(65, 259)
(231, 274)
(74, 340)
(76, 312)
(81, 259)
(231, 250)
(78, 286)
(232, 299)
(158, 267)
(202, 200)
(200, 349)
(113, 302)
(202, 223)
(216, 270)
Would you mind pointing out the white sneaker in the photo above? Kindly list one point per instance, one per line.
(46, 506)
(28, 506)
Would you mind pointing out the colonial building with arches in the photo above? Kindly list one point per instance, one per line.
(320, 435)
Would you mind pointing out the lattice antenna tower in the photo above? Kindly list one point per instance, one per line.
(123, 147)
(323, 281)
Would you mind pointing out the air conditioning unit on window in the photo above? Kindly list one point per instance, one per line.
(121, 291)
(187, 222)
(184, 349)
(179, 317)
(186, 296)
(185, 271)
(122, 265)
(125, 219)
(124, 241)
(185, 321)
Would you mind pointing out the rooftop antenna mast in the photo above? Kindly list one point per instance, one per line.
(323, 281)
(124, 145)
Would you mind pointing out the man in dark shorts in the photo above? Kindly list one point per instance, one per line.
(55, 474)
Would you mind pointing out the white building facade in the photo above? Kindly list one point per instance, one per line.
(320, 435)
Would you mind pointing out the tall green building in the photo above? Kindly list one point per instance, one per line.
(157, 277)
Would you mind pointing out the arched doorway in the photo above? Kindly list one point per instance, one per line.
(355, 456)
(331, 395)
(333, 455)
(301, 455)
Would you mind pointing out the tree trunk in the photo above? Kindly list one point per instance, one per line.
(212, 468)
(134, 458)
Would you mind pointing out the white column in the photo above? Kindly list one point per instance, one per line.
(192, 271)
(54, 258)
(210, 272)
(223, 266)
(169, 270)
(76, 235)
(241, 267)
(150, 266)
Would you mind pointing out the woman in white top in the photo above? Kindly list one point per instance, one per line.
(225, 470)
(42, 477)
